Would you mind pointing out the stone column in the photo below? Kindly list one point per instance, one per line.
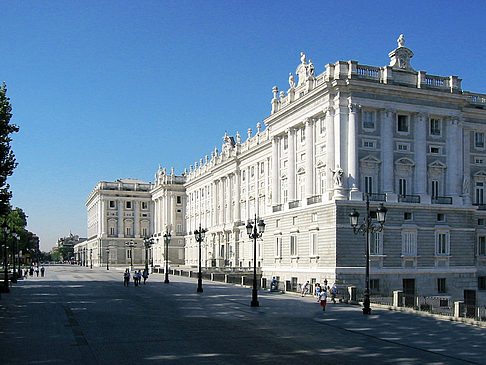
(221, 200)
(330, 145)
(103, 219)
(229, 194)
(172, 210)
(467, 182)
(353, 151)
(275, 165)
(119, 205)
(420, 133)
(387, 154)
(237, 212)
(214, 202)
(291, 164)
(339, 120)
(136, 233)
(452, 157)
(309, 158)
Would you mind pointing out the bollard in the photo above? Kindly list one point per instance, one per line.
(397, 298)
(457, 308)
(352, 293)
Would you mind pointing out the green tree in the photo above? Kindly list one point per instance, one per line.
(7, 157)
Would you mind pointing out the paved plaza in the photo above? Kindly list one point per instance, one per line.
(77, 315)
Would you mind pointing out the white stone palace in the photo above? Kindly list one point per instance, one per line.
(412, 141)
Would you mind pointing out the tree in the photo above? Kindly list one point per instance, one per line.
(7, 157)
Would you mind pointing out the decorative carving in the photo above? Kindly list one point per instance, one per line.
(303, 59)
(465, 185)
(400, 57)
(337, 176)
(353, 107)
(291, 81)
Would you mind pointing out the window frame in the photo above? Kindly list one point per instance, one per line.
(406, 119)
(442, 243)
(435, 130)
(293, 246)
(365, 123)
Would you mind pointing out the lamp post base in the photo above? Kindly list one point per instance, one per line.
(366, 305)
(166, 281)
(254, 298)
(199, 284)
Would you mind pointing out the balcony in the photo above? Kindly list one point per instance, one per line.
(480, 206)
(409, 198)
(294, 204)
(441, 200)
(314, 199)
(376, 197)
(277, 208)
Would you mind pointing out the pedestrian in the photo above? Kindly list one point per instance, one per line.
(305, 288)
(126, 278)
(42, 270)
(318, 291)
(37, 271)
(323, 297)
(145, 275)
(333, 292)
(139, 277)
(31, 271)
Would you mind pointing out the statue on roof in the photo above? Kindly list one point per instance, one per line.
(401, 41)
(303, 59)
(291, 81)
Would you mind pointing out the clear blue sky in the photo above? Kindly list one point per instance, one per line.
(104, 90)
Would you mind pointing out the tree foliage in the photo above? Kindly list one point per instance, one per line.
(7, 157)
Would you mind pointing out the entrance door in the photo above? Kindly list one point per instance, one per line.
(470, 303)
(409, 292)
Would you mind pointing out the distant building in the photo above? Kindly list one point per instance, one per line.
(65, 245)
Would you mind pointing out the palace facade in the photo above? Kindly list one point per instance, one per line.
(405, 138)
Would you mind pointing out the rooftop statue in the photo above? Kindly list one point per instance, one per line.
(303, 59)
(401, 41)
(291, 81)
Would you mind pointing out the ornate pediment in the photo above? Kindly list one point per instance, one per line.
(480, 174)
(400, 57)
(321, 164)
(404, 161)
(370, 159)
(437, 165)
(301, 171)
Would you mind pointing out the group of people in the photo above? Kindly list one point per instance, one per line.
(29, 271)
(321, 292)
(137, 277)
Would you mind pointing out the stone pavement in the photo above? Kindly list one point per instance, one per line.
(77, 315)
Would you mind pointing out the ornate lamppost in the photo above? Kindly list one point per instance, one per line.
(365, 228)
(166, 256)
(90, 258)
(199, 234)
(107, 258)
(147, 242)
(255, 231)
(131, 244)
(6, 232)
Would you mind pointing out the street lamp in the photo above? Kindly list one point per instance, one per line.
(366, 227)
(90, 258)
(199, 234)
(255, 231)
(107, 258)
(131, 244)
(6, 231)
(15, 272)
(147, 242)
(166, 256)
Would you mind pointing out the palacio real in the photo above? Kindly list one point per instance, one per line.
(405, 138)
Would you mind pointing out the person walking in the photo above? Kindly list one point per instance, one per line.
(126, 278)
(318, 291)
(37, 271)
(323, 298)
(145, 275)
(31, 271)
(305, 288)
(333, 292)
(42, 270)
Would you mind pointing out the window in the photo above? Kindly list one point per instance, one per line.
(441, 285)
(403, 146)
(402, 187)
(144, 205)
(322, 124)
(313, 245)
(479, 140)
(285, 142)
(302, 135)
(302, 157)
(479, 161)
(252, 171)
(323, 183)
(294, 220)
(243, 176)
(368, 143)
(112, 231)
(144, 232)
(482, 246)
(262, 168)
(441, 217)
(435, 150)
(442, 243)
(179, 229)
(482, 282)
(278, 247)
(128, 205)
(409, 243)
(479, 193)
(293, 245)
(434, 184)
(374, 285)
(407, 216)
(277, 223)
(128, 231)
(368, 182)
(179, 199)
(480, 221)
(402, 123)
(376, 243)
(112, 204)
(368, 120)
(434, 127)
(129, 253)
(314, 217)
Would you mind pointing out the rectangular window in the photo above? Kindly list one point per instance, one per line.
(243, 176)
(481, 246)
(403, 147)
(302, 135)
(402, 187)
(179, 229)
(435, 150)
(442, 243)
(285, 142)
(441, 217)
(480, 221)
(322, 123)
(368, 119)
(376, 243)
(478, 161)
(374, 285)
(480, 193)
(409, 243)
(313, 245)
(402, 123)
(294, 220)
(368, 180)
(179, 199)
(129, 254)
(368, 143)
(112, 231)
(407, 216)
(434, 188)
(128, 205)
(112, 204)
(278, 247)
(277, 223)
(314, 217)
(129, 231)
(481, 282)
(252, 171)
(293, 245)
(262, 168)
(441, 285)
(144, 205)
(479, 140)
(144, 232)
(434, 127)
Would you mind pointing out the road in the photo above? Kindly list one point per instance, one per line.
(77, 315)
